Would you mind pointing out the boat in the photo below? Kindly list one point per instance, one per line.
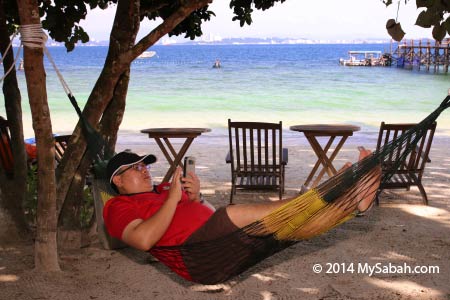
(364, 58)
(147, 54)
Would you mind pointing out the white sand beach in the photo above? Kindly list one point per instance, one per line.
(400, 232)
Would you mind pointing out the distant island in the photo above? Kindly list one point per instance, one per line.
(214, 40)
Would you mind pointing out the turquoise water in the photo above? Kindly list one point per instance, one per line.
(296, 84)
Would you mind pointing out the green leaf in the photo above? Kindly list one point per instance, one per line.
(424, 3)
(447, 25)
(425, 19)
(387, 2)
(395, 30)
(439, 32)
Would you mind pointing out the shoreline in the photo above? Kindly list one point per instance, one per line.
(219, 136)
(64, 123)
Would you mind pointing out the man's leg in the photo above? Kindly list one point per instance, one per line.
(245, 214)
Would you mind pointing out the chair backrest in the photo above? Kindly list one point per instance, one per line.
(6, 157)
(61, 142)
(416, 160)
(255, 147)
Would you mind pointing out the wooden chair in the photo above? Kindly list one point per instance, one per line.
(61, 142)
(410, 172)
(256, 156)
(6, 157)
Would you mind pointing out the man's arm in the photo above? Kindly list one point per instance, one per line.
(144, 234)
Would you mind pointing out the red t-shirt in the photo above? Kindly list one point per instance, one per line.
(189, 216)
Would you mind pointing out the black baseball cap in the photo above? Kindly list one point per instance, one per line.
(125, 158)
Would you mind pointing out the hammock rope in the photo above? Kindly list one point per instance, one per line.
(15, 58)
(33, 36)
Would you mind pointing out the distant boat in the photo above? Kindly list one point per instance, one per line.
(364, 58)
(147, 54)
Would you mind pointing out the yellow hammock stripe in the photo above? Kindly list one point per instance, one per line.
(316, 203)
(309, 215)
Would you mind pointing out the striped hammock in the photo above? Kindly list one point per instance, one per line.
(318, 210)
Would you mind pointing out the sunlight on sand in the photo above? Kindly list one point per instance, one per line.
(8, 278)
(390, 255)
(266, 295)
(310, 291)
(216, 288)
(404, 285)
(263, 278)
(438, 214)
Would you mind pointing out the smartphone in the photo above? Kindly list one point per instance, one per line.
(189, 165)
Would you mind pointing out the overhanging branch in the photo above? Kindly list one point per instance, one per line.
(167, 26)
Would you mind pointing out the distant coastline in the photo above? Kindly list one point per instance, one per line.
(212, 40)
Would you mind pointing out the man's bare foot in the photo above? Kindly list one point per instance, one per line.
(369, 188)
(363, 153)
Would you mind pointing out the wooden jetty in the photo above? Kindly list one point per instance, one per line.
(423, 54)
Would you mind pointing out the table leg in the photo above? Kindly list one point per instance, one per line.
(333, 156)
(321, 155)
(172, 150)
(177, 156)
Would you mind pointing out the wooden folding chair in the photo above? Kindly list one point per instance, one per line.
(257, 156)
(61, 142)
(409, 172)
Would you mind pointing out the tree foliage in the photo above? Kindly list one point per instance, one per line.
(434, 14)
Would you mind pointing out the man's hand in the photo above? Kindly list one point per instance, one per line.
(191, 185)
(175, 186)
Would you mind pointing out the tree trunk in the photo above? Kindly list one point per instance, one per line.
(106, 103)
(12, 193)
(46, 257)
(111, 84)
(69, 221)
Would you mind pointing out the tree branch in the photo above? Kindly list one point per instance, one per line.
(165, 27)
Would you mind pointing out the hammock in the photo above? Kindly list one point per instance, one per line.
(318, 210)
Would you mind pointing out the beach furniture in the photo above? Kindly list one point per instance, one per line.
(409, 171)
(6, 157)
(162, 137)
(61, 142)
(333, 133)
(307, 215)
(257, 156)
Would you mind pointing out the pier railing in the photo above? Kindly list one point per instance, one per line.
(423, 54)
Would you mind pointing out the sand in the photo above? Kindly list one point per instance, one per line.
(398, 234)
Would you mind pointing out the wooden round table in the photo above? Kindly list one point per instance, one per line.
(162, 137)
(333, 131)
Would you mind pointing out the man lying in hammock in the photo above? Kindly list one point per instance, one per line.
(144, 216)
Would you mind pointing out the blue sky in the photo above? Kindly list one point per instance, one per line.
(325, 19)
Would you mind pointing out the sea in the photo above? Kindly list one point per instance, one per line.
(295, 84)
